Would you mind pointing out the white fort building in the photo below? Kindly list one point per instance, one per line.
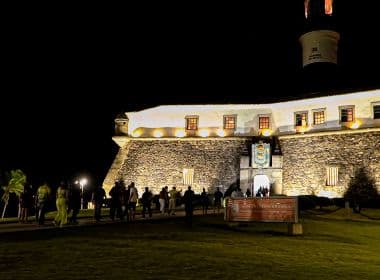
(306, 146)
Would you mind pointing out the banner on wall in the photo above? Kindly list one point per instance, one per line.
(261, 154)
(274, 209)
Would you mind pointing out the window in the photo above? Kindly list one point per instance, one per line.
(192, 122)
(332, 176)
(188, 176)
(318, 7)
(328, 7)
(376, 111)
(264, 122)
(229, 122)
(347, 114)
(319, 117)
(300, 118)
(307, 8)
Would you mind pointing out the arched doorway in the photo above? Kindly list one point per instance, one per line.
(260, 181)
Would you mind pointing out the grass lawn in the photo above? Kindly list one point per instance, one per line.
(332, 247)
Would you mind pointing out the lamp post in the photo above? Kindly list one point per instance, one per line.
(82, 183)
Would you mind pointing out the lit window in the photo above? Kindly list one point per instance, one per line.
(376, 111)
(264, 122)
(192, 123)
(332, 176)
(328, 7)
(306, 3)
(347, 114)
(188, 176)
(300, 118)
(319, 117)
(229, 122)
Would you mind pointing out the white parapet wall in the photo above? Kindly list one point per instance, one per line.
(167, 120)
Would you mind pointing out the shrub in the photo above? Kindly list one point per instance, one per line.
(361, 189)
(306, 202)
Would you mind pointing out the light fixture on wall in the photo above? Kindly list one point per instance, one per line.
(157, 133)
(136, 133)
(204, 133)
(266, 132)
(180, 133)
(220, 132)
(355, 124)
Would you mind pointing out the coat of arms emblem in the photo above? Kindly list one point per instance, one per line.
(261, 153)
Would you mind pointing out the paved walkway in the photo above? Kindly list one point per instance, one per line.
(8, 227)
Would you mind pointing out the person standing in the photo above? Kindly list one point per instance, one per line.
(115, 202)
(74, 203)
(98, 197)
(26, 203)
(162, 200)
(248, 193)
(146, 201)
(61, 203)
(218, 196)
(42, 199)
(172, 201)
(204, 201)
(133, 197)
(188, 199)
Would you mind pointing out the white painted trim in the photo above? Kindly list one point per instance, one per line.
(325, 133)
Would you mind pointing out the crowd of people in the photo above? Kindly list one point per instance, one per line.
(122, 203)
(68, 201)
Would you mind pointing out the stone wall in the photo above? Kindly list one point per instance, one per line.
(305, 159)
(156, 163)
(113, 172)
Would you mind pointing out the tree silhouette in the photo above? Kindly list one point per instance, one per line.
(15, 185)
(361, 188)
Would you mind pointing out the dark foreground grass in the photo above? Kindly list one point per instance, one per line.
(331, 248)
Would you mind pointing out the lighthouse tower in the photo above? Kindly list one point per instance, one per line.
(319, 43)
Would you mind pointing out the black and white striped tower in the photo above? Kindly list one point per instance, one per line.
(319, 43)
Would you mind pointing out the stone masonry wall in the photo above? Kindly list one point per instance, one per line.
(113, 172)
(156, 163)
(305, 160)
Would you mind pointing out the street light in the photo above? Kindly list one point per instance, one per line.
(82, 183)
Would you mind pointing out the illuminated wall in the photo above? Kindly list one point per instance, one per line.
(155, 163)
(307, 157)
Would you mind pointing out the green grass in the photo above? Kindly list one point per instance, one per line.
(332, 247)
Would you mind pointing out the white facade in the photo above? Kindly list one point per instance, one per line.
(167, 121)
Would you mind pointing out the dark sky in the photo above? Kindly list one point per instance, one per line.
(68, 72)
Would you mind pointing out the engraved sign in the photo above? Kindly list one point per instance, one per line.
(279, 209)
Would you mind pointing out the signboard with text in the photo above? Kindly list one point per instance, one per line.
(272, 209)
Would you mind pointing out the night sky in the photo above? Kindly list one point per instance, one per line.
(66, 75)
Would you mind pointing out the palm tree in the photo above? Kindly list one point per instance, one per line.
(15, 185)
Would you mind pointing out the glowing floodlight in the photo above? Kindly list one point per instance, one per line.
(180, 133)
(355, 125)
(136, 133)
(157, 133)
(266, 132)
(204, 133)
(220, 132)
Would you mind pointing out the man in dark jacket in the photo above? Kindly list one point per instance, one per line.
(188, 199)
(98, 199)
(74, 202)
